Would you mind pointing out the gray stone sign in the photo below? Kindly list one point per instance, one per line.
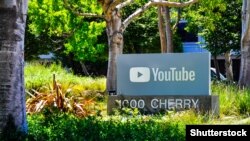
(163, 74)
(161, 82)
(156, 104)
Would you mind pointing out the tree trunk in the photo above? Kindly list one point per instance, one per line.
(84, 69)
(244, 80)
(162, 31)
(115, 41)
(217, 68)
(169, 33)
(228, 66)
(12, 96)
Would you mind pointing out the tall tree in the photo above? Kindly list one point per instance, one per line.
(12, 102)
(115, 28)
(245, 45)
(219, 23)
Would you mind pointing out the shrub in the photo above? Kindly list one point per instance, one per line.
(65, 127)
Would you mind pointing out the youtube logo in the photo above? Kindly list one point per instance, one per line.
(139, 74)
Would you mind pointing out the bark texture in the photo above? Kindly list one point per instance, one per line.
(115, 40)
(12, 96)
(162, 30)
(229, 67)
(244, 80)
(169, 33)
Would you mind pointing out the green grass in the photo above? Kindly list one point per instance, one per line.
(233, 100)
(38, 76)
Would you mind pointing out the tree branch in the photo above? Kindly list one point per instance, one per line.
(139, 11)
(121, 5)
(177, 22)
(173, 4)
(115, 3)
(67, 6)
(178, 19)
(109, 8)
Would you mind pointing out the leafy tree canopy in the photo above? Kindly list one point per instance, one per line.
(62, 20)
(142, 35)
(219, 22)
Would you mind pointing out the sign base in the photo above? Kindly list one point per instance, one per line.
(160, 104)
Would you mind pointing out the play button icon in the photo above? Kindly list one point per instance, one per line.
(139, 74)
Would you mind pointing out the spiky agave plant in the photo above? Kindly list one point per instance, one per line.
(59, 98)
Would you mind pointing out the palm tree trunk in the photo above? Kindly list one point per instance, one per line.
(12, 96)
